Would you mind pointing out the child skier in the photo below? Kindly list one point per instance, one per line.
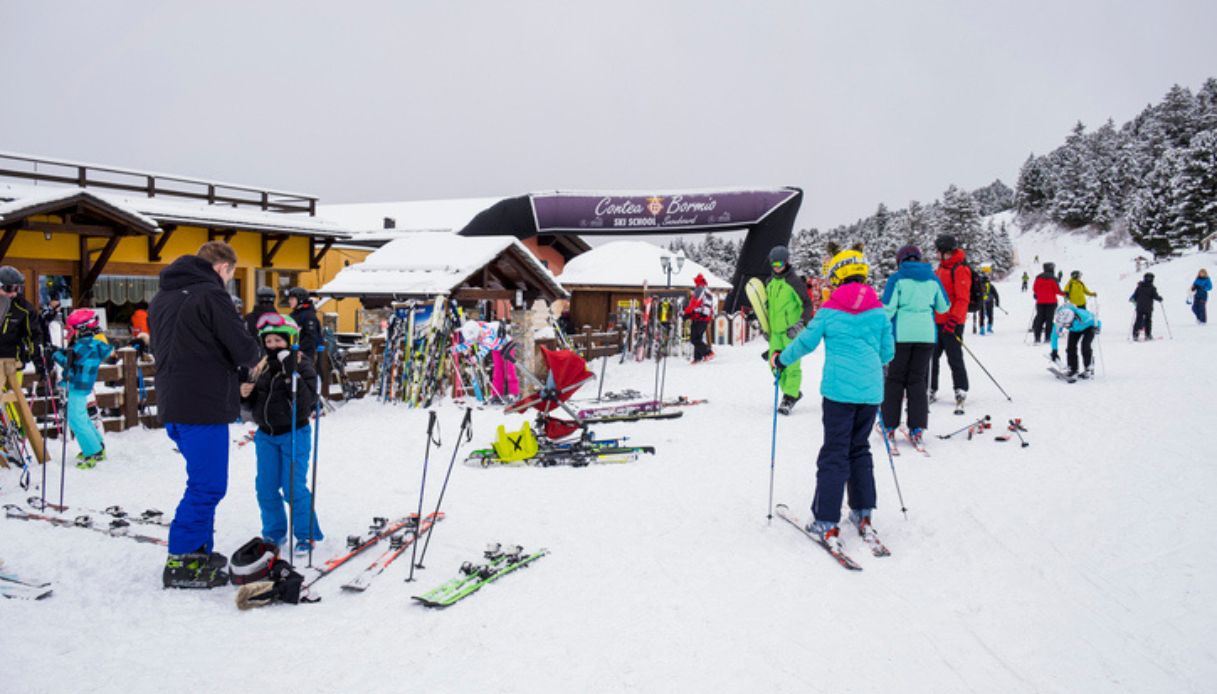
(1082, 326)
(87, 348)
(1026, 278)
(858, 341)
(1076, 291)
(278, 436)
(492, 337)
(1144, 297)
(912, 296)
(1200, 296)
(989, 299)
(789, 310)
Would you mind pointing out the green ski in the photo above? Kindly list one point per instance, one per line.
(757, 296)
(499, 562)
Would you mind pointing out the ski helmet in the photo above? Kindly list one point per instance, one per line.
(1149, 277)
(299, 293)
(253, 561)
(470, 331)
(700, 280)
(1050, 268)
(1076, 274)
(278, 324)
(779, 258)
(83, 320)
(237, 303)
(847, 264)
(265, 295)
(11, 276)
(1064, 317)
(909, 252)
(945, 243)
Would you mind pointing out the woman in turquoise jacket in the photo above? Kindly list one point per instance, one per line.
(912, 296)
(1082, 326)
(858, 341)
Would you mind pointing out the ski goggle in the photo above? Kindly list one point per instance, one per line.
(274, 320)
(11, 287)
(778, 264)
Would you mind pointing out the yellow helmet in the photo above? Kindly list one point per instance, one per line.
(847, 264)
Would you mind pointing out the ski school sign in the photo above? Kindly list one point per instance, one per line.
(617, 213)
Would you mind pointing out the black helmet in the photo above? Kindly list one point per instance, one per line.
(1149, 277)
(11, 275)
(779, 254)
(1050, 268)
(1075, 274)
(945, 243)
(265, 295)
(299, 293)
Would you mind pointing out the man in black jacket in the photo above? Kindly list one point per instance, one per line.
(306, 318)
(200, 341)
(1144, 297)
(20, 343)
(265, 305)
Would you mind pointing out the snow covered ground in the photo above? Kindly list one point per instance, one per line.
(1083, 563)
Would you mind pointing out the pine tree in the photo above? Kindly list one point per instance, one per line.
(959, 217)
(1033, 191)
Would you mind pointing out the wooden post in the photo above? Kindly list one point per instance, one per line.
(10, 382)
(130, 403)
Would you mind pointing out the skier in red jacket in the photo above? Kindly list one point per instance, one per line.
(956, 278)
(1045, 289)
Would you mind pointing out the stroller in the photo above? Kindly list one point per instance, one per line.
(553, 440)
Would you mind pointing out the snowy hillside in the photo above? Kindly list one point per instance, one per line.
(1079, 564)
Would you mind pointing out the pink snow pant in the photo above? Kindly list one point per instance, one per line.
(505, 370)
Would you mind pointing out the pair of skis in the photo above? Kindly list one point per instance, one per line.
(877, 548)
(497, 561)
(380, 529)
(918, 446)
(149, 516)
(117, 527)
(15, 587)
(399, 542)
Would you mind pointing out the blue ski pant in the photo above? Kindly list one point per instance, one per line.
(82, 427)
(280, 482)
(205, 447)
(845, 460)
(1200, 309)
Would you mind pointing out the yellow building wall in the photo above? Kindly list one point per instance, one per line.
(331, 264)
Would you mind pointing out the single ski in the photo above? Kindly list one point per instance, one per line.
(117, 527)
(398, 542)
(635, 417)
(6, 577)
(380, 529)
(23, 592)
(1062, 375)
(499, 563)
(871, 538)
(918, 446)
(783, 511)
(146, 517)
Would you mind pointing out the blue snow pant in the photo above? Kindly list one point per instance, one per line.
(1200, 308)
(845, 460)
(205, 447)
(82, 427)
(276, 485)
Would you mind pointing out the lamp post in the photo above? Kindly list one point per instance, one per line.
(672, 263)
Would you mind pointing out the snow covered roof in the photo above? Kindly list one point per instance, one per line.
(628, 264)
(49, 198)
(164, 210)
(426, 263)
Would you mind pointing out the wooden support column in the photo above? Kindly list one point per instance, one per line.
(90, 272)
(10, 234)
(314, 258)
(269, 251)
(156, 244)
(127, 357)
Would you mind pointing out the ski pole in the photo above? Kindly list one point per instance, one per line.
(48, 379)
(312, 504)
(983, 423)
(892, 462)
(982, 368)
(773, 443)
(466, 434)
(432, 437)
(63, 419)
(291, 470)
(1166, 321)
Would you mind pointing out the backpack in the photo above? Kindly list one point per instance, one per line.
(976, 294)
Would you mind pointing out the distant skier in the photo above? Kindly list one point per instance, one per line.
(1144, 297)
(789, 311)
(700, 312)
(306, 317)
(858, 341)
(957, 279)
(1082, 326)
(1076, 291)
(87, 349)
(989, 299)
(1200, 296)
(1045, 290)
(912, 295)
(265, 303)
(1026, 278)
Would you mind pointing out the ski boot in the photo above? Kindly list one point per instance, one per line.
(960, 396)
(933, 396)
(788, 403)
(1088, 372)
(861, 521)
(828, 533)
(88, 462)
(917, 436)
(196, 570)
(303, 547)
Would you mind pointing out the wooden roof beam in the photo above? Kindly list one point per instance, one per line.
(223, 234)
(314, 258)
(91, 274)
(269, 252)
(10, 233)
(156, 245)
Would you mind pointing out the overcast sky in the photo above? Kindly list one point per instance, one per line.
(855, 102)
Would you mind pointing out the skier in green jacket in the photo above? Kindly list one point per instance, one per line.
(789, 310)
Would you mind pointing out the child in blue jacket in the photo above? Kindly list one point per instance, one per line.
(80, 360)
(1082, 326)
(858, 341)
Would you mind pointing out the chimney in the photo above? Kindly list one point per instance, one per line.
(390, 223)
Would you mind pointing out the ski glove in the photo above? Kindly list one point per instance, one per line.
(794, 330)
(775, 360)
(288, 359)
(951, 324)
(1055, 356)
